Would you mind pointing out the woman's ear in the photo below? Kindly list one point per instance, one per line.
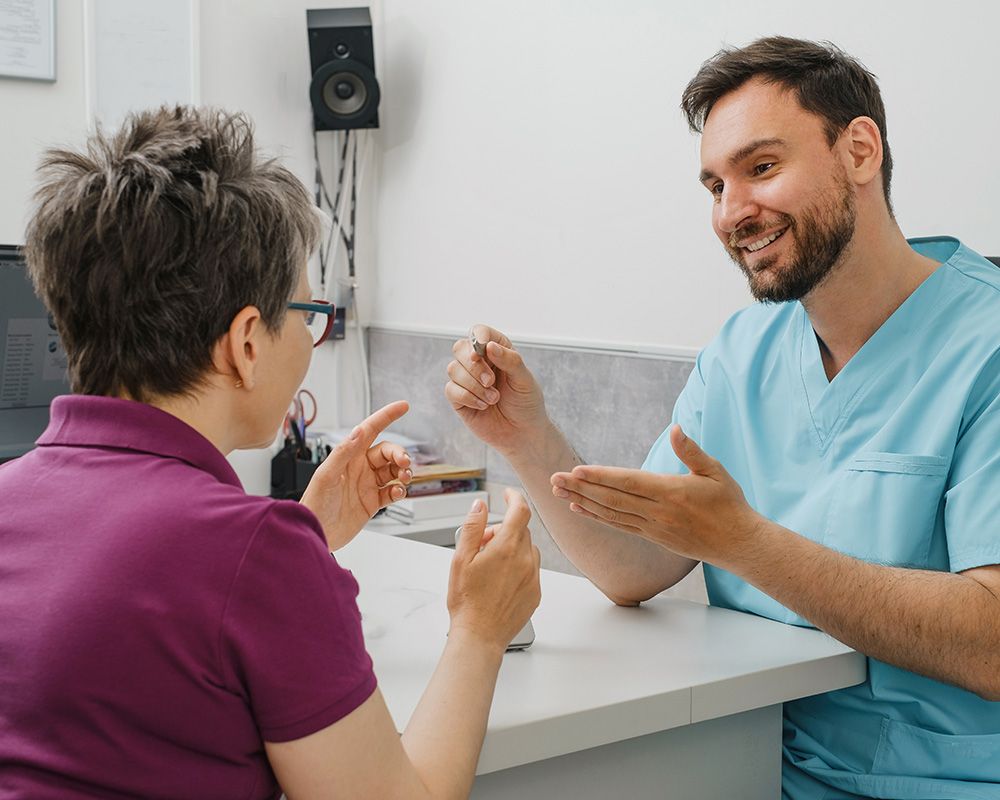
(237, 352)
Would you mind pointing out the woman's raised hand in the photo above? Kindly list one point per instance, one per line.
(359, 477)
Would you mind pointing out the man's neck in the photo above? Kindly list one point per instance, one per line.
(878, 271)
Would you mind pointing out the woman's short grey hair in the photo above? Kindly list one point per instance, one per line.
(148, 242)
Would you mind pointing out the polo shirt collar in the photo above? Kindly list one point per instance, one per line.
(91, 421)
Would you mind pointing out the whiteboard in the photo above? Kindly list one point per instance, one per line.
(27, 39)
(141, 54)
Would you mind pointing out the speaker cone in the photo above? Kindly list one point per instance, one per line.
(344, 93)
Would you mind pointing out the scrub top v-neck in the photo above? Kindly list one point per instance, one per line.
(894, 461)
(828, 402)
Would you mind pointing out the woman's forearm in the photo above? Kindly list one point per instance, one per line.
(447, 727)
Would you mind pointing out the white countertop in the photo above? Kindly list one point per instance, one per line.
(439, 530)
(597, 673)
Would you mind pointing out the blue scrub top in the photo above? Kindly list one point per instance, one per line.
(895, 461)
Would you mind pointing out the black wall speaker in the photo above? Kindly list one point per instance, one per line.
(344, 91)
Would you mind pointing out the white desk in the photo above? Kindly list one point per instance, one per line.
(669, 700)
(432, 531)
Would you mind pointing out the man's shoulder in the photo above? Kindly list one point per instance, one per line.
(968, 304)
(755, 332)
(964, 271)
(761, 317)
(977, 276)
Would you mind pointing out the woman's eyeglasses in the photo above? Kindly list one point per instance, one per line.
(319, 318)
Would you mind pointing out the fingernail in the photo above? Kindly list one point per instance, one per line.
(481, 405)
(356, 433)
(492, 395)
(560, 492)
(477, 506)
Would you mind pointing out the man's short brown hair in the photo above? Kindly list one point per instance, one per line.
(145, 245)
(827, 82)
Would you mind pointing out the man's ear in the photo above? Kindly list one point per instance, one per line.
(237, 353)
(864, 150)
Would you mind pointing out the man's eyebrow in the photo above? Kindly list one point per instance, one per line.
(744, 152)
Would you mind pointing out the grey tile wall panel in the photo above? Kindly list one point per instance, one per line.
(413, 368)
(611, 407)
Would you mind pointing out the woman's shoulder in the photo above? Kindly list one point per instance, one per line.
(198, 518)
(234, 513)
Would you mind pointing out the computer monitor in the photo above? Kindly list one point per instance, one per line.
(32, 360)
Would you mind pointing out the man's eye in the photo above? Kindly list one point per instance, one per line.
(760, 169)
(715, 189)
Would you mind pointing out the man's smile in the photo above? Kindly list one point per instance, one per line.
(758, 244)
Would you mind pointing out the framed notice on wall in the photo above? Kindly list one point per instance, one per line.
(141, 54)
(27, 39)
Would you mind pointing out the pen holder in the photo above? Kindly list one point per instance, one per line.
(289, 474)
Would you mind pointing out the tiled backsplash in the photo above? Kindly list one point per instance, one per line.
(611, 406)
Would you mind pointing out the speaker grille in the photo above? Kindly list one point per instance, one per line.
(344, 95)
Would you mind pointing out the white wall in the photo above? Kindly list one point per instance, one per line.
(34, 115)
(533, 169)
(538, 174)
(252, 55)
(255, 57)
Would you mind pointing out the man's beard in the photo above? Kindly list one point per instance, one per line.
(821, 236)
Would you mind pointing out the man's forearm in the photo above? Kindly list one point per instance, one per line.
(626, 568)
(939, 624)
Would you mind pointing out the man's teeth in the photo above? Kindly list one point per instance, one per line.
(763, 242)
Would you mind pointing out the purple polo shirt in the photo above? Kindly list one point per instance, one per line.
(157, 624)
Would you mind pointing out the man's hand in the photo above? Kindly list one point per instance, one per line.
(357, 478)
(938, 624)
(702, 516)
(497, 397)
(512, 419)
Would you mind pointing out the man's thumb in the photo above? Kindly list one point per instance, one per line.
(508, 360)
(471, 537)
(688, 451)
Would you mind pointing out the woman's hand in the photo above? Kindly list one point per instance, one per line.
(494, 584)
(357, 478)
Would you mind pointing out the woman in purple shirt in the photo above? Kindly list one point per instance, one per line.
(164, 634)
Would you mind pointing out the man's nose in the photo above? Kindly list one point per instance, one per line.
(736, 208)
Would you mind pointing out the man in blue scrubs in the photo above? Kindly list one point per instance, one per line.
(834, 459)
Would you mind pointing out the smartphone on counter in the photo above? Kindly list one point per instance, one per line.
(523, 638)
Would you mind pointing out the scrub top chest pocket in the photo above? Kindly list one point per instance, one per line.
(887, 508)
